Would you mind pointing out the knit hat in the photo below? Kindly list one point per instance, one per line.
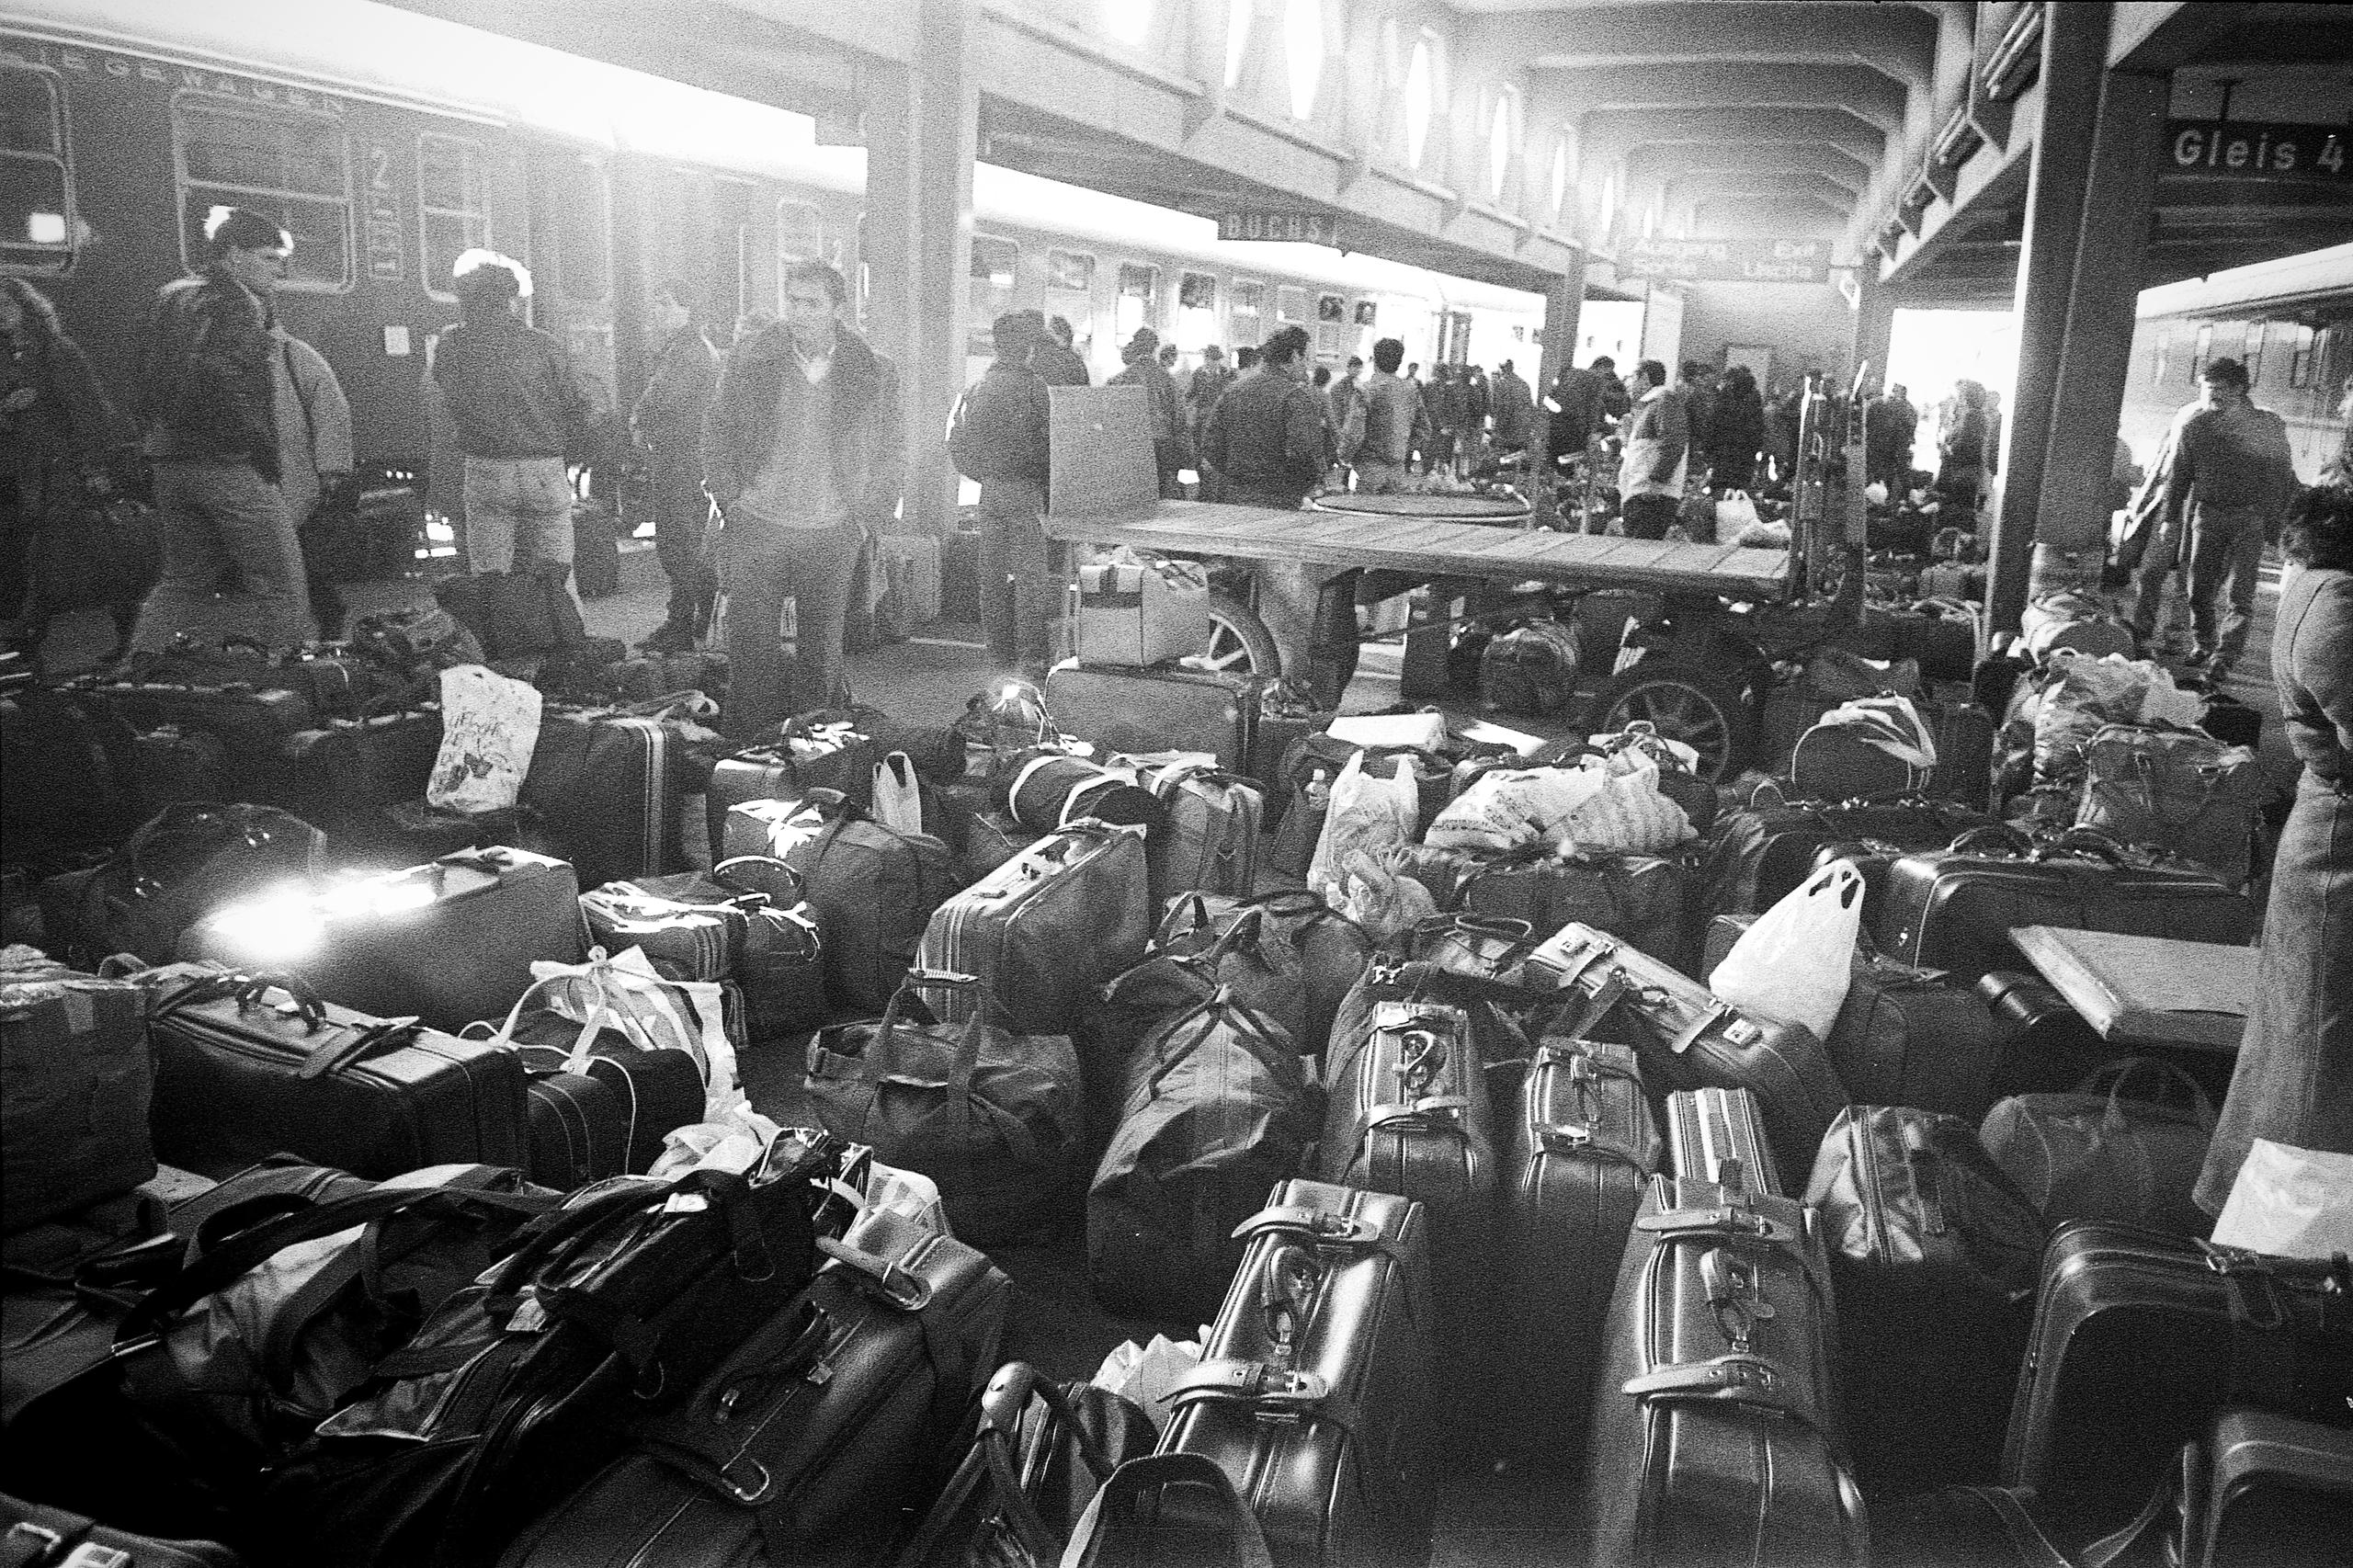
(242, 228)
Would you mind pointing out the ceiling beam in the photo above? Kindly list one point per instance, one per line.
(1897, 43)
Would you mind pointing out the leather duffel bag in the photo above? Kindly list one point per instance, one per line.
(2097, 1155)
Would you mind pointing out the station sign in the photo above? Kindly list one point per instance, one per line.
(2252, 149)
(1727, 260)
(1279, 223)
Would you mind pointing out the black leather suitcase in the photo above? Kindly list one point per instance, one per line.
(1643, 899)
(343, 775)
(1046, 928)
(1407, 1113)
(1134, 712)
(1756, 854)
(577, 1127)
(1690, 1039)
(609, 786)
(452, 942)
(605, 1113)
(252, 725)
(1583, 1149)
(1954, 909)
(2141, 1337)
(1718, 1135)
(1314, 1390)
(246, 1067)
(2277, 1492)
(1718, 1436)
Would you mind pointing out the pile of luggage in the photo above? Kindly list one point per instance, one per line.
(597, 1199)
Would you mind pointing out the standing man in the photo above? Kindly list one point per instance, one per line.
(1053, 359)
(1658, 445)
(209, 407)
(2228, 478)
(1394, 423)
(1000, 439)
(515, 406)
(1265, 437)
(1889, 426)
(1210, 378)
(1348, 420)
(1448, 408)
(1576, 405)
(1145, 370)
(1698, 402)
(314, 462)
(1514, 408)
(802, 453)
(667, 422)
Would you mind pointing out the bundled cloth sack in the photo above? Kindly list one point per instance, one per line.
(1605, 805)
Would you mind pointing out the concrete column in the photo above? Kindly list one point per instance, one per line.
(1563, 301)
(1874, 325)
(2075, 53)
(2072, 510)
(922, 122)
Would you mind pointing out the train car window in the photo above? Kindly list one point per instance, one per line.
(294, 165)
(1070, 272)
(2258, 334)
(2200, 352)
(1197, 321)
(1290, 305)
(1332, 331)
(1246, 320)
(994, 264)
(454, 206)
(2301, 357)
(36, 192)
(1138, 301)
(582, 228)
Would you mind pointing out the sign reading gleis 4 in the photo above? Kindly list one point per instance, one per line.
(1728, 260)
(2258, 149)
(1300, 228)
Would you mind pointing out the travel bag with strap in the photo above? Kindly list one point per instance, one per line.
(775, 946)
(2178, 791)
(1210, 841)
(172, 872)
(1332, 949)
(2097, 1155)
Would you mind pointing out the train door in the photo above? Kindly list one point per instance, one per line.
(1332, 330)
(1136, 305)
(734, 234)
(572, 233)
(996, 267)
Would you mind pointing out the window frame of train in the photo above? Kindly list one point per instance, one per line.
(1149, 274)
(1301, 315)
(473, 220)
(1058, 294)
(2305, 357)
(272, 200)
(45, 259)
(1255, 292)
(1197, 324)
(979, 336)
(2201, 349)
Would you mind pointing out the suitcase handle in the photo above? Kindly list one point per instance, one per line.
(1994, 833)
(1113, 1518)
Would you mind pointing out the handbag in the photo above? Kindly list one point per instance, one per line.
(2095, 1155)
(992, 1116)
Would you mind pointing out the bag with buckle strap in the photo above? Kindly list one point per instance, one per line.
(1053, 788)
(808, 1442)
(812, 752)
(1717, 1434)
(777, 947)
(33, 1535)
(1332, 950)
(2096, 1154)
(1407, 1112)
(179, 865)
(1643, 899)
(2178, 791)
(1217, 1111)
(992, 1116)
(1934, 1253)
(1759, 853)
(1210, 843)
(1315, 1381)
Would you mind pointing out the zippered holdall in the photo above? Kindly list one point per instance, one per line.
(1048, 927)
(1759, 853)
(1642, 899)
(1210, 842)
(1314, 1388)
(1332, 949)
(172, 870)
(1139, 712)
(2098, 1154)
(814, 751)
(777, 947)
(2178, 791)
(2040, 1043)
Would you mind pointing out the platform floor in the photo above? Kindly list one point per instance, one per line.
(1490, 1514)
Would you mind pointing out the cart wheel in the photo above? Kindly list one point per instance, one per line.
(1702, 709)
(1239, 641)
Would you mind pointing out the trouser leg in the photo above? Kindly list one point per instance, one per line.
(2214, 537)
(680, 517)
(1649, 517)
(2242, 565)
(753, 579)
(1021, 573)
(491, 515)
(219, 515)
(818, 566)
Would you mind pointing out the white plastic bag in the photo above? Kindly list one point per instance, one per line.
(898, 794)
(1793, 965)
(1367, 816)
(2290, 1202)
(1426, 731)
(490, 727)
(1734, 511)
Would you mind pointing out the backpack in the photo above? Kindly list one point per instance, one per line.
(1532, 668)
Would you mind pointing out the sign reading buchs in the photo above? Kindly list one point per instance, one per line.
(2258, 149)
(1303, 228)
(1728, 260)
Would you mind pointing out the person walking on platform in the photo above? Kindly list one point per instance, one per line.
(667, 422)
(2293, 1080)
(515, 405)
(1347, 399)
(314, 462)
(1266, 439)
(1142, 358)
(1000, 439)
(1889, 426)
(1698, 402)
(1736, 431)
(1395, 424)
(802, 453)
(1514, 408)
(1448, 409)
(208, 404)
(1657, 454)
(58, 429)
(1053, 359)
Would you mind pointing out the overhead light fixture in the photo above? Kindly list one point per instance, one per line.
(2018, 59)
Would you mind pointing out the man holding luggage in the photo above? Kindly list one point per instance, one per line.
(1658, 443)
(667, 422)
(209, 404)
(802, 453)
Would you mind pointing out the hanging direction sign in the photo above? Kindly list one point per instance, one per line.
(2256, 149)
(1727, 260)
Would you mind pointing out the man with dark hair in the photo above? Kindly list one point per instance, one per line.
(515, 406)
(1891, 424)
(1575, 404)
(667, 421)
(1245, 359)
(1698, 402)
(1658, 446)
(1395, 424)
(802, 453)
(1053, 357)
(1448, 409)
(1169, 442)
(1000, 438)
(208, 404)
(2228, 476)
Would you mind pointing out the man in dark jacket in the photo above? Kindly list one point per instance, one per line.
(1169, 441)
(802, 453)
(1000, 440)
(667, 421)
(1891, 424)
(1577, 407)
(208, 404)
(515, 406)
(1514, 406)
(1052, 358)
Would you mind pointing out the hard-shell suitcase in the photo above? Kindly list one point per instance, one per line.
(577, 1126)
(1583, 1149)
(608, 786)
(343, 775)
(1139, 712)
(247, 1065)
(1048, 927)
(1718, 1436)
(251, 724)
(2277, 1492)
(1314, 1390)
(1690, 1040)
(2141, 1337)
(1954, 909)
(1406, 1112)
(1717, 1135)
(1964, 771)
(1756, 854)
(806, 1443)
(450, 942)
(1642, 898)
(805, 757)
